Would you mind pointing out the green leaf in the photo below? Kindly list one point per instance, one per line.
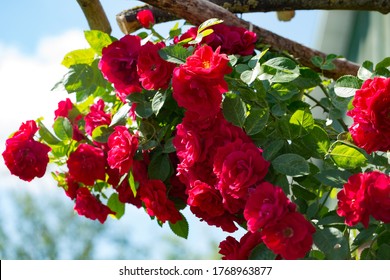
(158, 102)
(317, 142)
(317, 61)
(102, 133)
(208, 23)
(383, 252)
(385, 63)
(301, 192)
(180, 228)
(159, 167)
(175, 54)
(291, 164)
(261, 252)
(249, 76)
(302, 122)
(83, 56)
(169, 147)
(332, 242)
(330, 219)
(46, 135)
(284, 91)
(234, 110)
(133, 184)
(365, 235)
(307, 79)
(144, 109)
(282, 69)
(115, 205)
(175, 31)
(80, 77)
(346, 86)
(366, 70)
(256, 120)
(347, 156)
(121, 116)
(272, 149)
(333, 177)
(63, 128)
(98, 40)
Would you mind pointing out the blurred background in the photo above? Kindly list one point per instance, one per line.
(37, 220)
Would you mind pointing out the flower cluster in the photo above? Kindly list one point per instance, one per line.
(363, 195)
(207, 120)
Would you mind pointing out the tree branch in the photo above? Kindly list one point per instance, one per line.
(198, 11)
(127, 19)
(95, 15)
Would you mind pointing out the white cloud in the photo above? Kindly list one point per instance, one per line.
(26, 80)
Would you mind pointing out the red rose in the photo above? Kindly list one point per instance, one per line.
(266, 204)
(126, 195)
(71, 187)
(365, 194)
(231, 39)
(231, 249)
(371, 115)
(87, 164)
(123, 146)
(198, 84)
(25, 157)
(352, 202)
(96, 117)
(238, 167)
(291, 237)
(145, 18)
(206, 198)
(378, 194)
(154, 72)
(153, 194)
(64, 108)
(89, 206)
(119, 65)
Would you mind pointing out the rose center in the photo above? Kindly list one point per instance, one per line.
(288, 232)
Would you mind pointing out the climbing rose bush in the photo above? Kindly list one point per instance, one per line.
(209, 122)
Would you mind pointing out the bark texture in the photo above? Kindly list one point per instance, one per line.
(95, 15)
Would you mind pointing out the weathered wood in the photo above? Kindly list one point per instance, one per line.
(198, 11)
(95, 15)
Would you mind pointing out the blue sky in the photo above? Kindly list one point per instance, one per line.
(34, 37)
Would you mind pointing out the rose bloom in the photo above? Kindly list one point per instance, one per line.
(96, 117)
(232, 39)
(378, 196)
(25, 157)
(154, 72)
(153, 194)
(231, 249)
(266, 204)
(291, 237)
(123, 146)
(206, 198)
(119, 65)
(89, 206)
(365, 194)
(371, 115)
(239, 166)
(145, 18)
(126, 195)
(352, 202)
(87, 164)
(198, 84)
